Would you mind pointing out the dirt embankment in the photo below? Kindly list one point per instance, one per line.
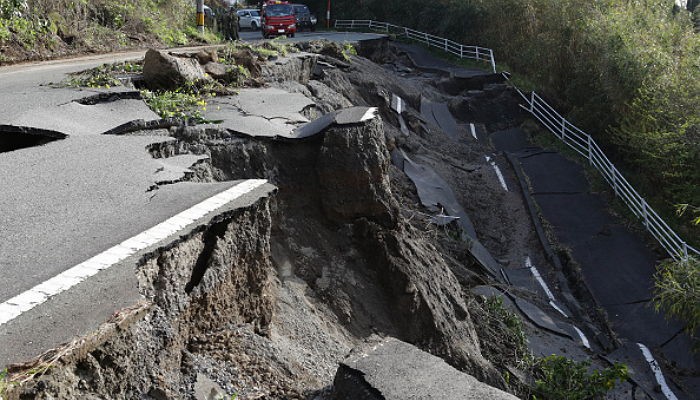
(265, 301)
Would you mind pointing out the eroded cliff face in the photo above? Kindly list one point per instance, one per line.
(213, 278)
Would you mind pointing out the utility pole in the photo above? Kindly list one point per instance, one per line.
(200, 16)
(328, 15)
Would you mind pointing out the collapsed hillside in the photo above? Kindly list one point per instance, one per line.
(267, 300)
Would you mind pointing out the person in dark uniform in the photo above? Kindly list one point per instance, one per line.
(226, 25)
(233, 15)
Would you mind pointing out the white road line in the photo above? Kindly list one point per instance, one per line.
(369, 114)
(538, 277)
(658, 374)
(583, 337)
(473, 129)
(552, 300)
(556, 307)
(498, 173)
(31, 298)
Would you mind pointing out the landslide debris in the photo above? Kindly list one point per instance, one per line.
(266, 301)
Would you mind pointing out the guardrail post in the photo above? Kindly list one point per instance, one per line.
(477, 53)
(614, 180)
(445, 44)
(590, 149)
(532, 102)
(646, 213)
(493, 60)
(685, 251)
(563, 129)
(425, 35)
(405, 31)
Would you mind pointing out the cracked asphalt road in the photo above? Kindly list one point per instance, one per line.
(71, 199)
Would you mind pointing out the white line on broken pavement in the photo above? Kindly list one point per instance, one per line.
(498, 173)
(39, 294)
(583, 337)
(658, 374)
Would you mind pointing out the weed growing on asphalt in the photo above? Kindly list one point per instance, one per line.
(176, 104)
(104, 76)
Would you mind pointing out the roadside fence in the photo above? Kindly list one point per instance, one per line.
(471, 52)
(578, 140)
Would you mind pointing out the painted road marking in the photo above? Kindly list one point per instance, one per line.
(658, 374)
(473, 130)
(552, 300)
(498, 173)
(543, 284)
(39, 294)
(583, 337)
(397, 104)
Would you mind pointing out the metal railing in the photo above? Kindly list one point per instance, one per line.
(567, 132)
(586, 146)
(471, 52)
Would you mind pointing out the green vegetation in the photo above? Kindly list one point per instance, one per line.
(628, 72)
(176, 104)
(558, 378)
(28, 27)
(494, 320)
(678, 292)
(104, 76)
(4, 384)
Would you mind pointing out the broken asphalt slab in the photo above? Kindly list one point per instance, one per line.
(395, 370)
(423, 59)
(438, 114)
(81, 309)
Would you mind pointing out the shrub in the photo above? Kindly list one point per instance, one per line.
(677, 291)
(559, 378)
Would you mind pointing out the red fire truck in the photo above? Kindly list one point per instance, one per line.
(278, 19)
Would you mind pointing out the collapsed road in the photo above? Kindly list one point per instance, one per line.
(341, 214)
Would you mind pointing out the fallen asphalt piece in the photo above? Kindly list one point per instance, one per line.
(395, 370)
(438, 115)
(423, 59)
(436, 195)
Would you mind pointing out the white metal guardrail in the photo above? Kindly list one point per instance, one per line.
(452, 47)
(586, 146)
(567, 132)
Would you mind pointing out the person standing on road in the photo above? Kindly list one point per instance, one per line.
(226, 25)
(233, 15)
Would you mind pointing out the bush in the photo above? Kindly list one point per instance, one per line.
(677, 291)
(558, 378)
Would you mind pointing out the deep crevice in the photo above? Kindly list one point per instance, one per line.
(109, 97)
(21, 137)
(210, 239)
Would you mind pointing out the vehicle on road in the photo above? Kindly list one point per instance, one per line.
(249, 18)
(278, 19)
(305, 20)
